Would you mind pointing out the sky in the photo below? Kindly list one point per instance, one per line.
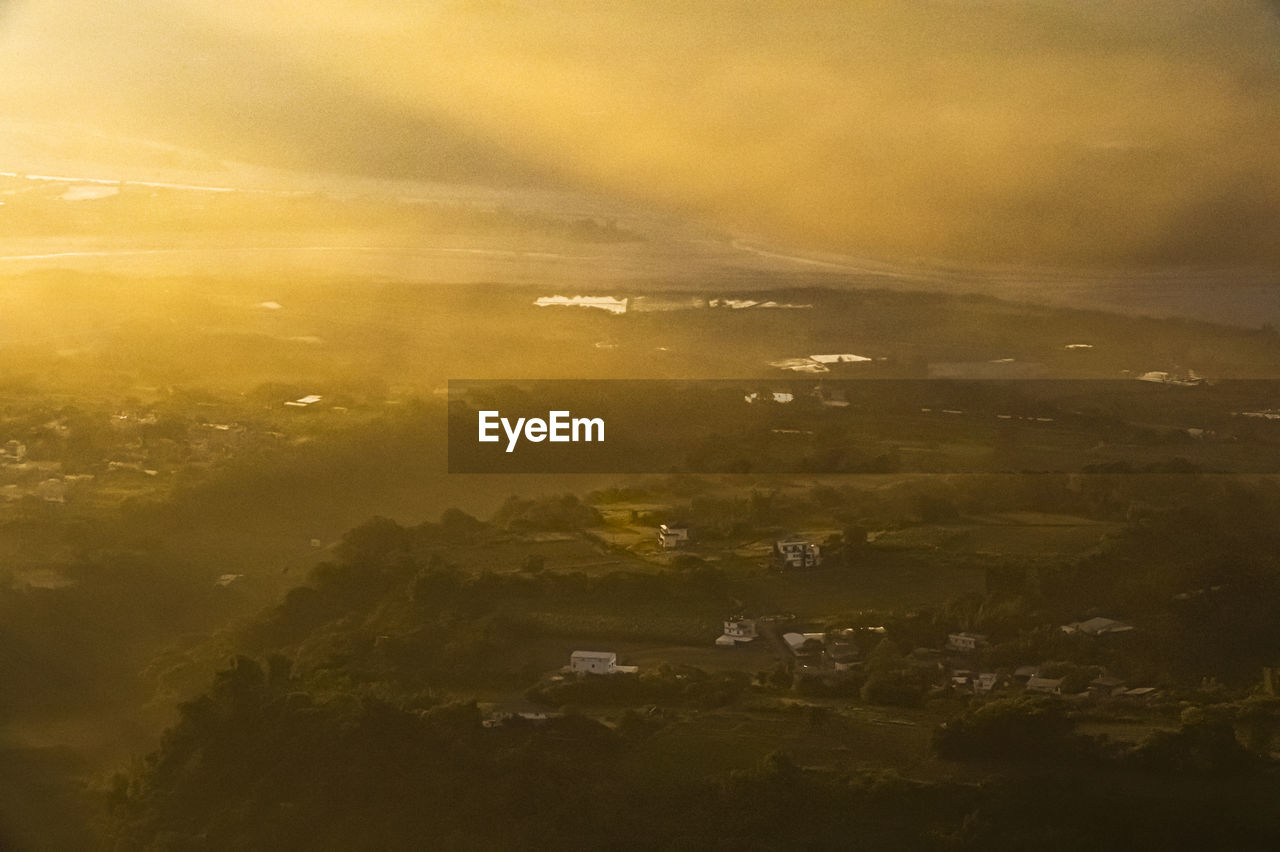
(1069, 132)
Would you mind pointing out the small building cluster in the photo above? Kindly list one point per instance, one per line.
(833, 653)
(979, 683)
(1031, 678)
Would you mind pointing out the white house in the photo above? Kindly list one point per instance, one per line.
(800, 365)
(1163, 377)
(965, 642)
(839, 358)
(670, 538)
(593, 662)
(737, 631)
(780, 397)
(604, 303)
(598, 662)
(798, 642)
(796, 553)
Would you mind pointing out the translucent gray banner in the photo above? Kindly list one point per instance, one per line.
(1160, 424)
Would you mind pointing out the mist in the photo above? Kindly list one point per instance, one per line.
(1081, 134)
(970, 537)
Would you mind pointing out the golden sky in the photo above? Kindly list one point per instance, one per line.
(1081, 132)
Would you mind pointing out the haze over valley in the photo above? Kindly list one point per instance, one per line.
(938, 508)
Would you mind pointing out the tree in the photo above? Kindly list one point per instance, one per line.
(1206, 747)
(1025, 729)
(892, 678)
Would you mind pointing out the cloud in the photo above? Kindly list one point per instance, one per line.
(1066, 131)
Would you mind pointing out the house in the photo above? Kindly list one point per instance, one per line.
(984, 682)
(670, 538)
(839, 358)
(604, 303)
(737, 631)
(593, 662)
(796, 641)
(800, 365)
(796, 553)
(965, 643)
(1045, 685)
(1163, 377)
(810, 652)
(597, 662)
(964, 680)
(1105, 686)
(14, 451)
(1097, 627)
(818, 363)
(809, 649)
(780, 397)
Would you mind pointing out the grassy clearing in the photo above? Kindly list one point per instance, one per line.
(563, 554)
(1028, 534)
(892, 584)
(853, 739)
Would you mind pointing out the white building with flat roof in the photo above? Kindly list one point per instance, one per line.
(593, 662)
(598, 662)
(670, 538)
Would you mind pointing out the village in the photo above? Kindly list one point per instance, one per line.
(805, 654)
(825, 659)
(97, 454)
